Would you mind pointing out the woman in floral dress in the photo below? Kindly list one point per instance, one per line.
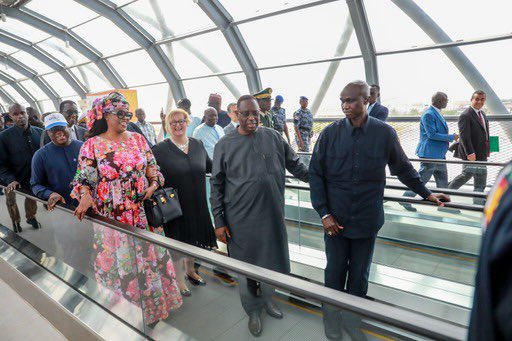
(116, 168)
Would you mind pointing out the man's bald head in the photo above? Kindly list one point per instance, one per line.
(440, 100)
(210, 116)
(354, 99)
(19, 115)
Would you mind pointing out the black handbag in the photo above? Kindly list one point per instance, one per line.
(163, 206)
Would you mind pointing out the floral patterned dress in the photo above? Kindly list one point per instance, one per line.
(139, 271)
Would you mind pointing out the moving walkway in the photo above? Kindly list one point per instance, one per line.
(57, 263)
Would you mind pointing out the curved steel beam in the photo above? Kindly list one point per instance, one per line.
(455, 54)
(20, 89)
(220, 16)
(129, 26)
(36, 52)
(60, 32)
(7, 98)
(333, 66)
(365, 39)
(162, 25)
(18, 66)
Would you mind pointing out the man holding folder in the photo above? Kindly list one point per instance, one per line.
(474, 145)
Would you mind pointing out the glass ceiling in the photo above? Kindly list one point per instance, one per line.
(297, 47)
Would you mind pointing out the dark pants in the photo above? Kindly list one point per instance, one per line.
(12, 207)
(479, 173)
(348, 268)
(427, 170)
(348, 261)
(252, 301)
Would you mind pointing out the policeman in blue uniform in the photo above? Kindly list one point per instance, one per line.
(303, 122)
(279, 116)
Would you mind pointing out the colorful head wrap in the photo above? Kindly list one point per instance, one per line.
(104, 105)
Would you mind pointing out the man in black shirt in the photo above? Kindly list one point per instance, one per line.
(17, 146)
(347, 176)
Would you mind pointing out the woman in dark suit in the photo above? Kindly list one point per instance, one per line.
(184, 163)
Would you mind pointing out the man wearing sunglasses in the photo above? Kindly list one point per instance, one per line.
(54, 165)
(247, 201)
(69, 110)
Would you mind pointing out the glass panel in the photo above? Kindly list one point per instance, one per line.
(11, 72)
(23, 30)
(67, 13)
(490, 60)
(79, 253)
(385, 31)
(59, 84)
(14, 94)
(145, 71)
(290, 83)
(292, 34)
(121, 2)
(7, 49)
(32, 62)
(92, 77)
(248, 9)
(47, 106)
(198, 91)
(33, 89)
(105, 36)
(397, 70)
(152, 99)
(491, 19)
(58, 49)
(162, 18)
(202, 55)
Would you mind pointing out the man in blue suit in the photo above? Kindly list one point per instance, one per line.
(434, 143)
(375, 109)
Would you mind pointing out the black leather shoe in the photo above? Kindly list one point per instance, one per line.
(273, 310)
(255, 324)
(35, 224)
(196, 281)
(17, 227)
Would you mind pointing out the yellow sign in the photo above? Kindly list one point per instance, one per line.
(130, 95)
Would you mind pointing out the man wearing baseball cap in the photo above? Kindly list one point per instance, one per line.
(54, 165)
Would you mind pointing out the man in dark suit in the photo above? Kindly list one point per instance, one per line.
(474, 145)
(375, 109)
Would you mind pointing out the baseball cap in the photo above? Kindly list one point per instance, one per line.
(54, 120)
(279, 98)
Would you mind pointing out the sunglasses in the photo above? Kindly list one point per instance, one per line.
(57, 129)
(123, 114)
(246, 114)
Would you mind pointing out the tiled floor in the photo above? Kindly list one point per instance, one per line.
(20, 321)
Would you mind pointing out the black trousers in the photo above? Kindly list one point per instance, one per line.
(348, 268)
(479, 173)
(348, 263)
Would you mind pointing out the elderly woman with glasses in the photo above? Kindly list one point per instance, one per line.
(116, 172)
(184, 163)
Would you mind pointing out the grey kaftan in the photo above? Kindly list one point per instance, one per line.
(247, 195)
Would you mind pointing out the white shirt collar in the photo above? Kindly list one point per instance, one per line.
(437, 109)
(476, 110)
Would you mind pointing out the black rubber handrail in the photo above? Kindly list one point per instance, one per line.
(468, 207)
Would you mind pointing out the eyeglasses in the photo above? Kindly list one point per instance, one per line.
(246, 114)
(123, 114)
(57, 129)
(180, 122)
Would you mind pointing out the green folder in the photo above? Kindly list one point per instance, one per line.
(494, 143)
